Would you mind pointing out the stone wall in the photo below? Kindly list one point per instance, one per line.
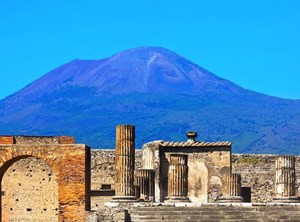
(210, 180)
(258, 174)
(29, 190)
(70, 165)
(110, 214)
(206, 174)
(103, 175)
(257, 171)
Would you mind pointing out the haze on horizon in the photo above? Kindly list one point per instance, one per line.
(254, 44)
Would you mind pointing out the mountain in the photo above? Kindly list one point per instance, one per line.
(160, 92)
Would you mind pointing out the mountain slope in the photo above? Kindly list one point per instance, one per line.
(160, 92)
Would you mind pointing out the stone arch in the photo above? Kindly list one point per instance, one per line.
(68, 162)
(29, 190)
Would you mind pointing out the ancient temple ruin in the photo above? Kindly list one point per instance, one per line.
(187, 169)
(55, 179)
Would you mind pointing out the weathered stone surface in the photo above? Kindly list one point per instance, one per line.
(206, 161)
(178, 178)
(231, 189)
(113, 214)
(151, 160)
(37, 140)
(29, 191)
(216, 212)
(102, 169)
(285, 176)
(233, 185)
(144, 180)
(66, 140)
(7, 140)
(70, 166)
(285, 179)
(257, 172)
(124, 162)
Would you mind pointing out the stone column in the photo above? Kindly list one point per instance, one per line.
(178, 178)
(231, 189)
(285, 179)
(124, 162)
(145, 181)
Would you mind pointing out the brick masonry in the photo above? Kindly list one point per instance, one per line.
(29, 191)
(70, 165)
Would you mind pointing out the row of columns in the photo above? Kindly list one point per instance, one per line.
(129, 187)
(285, 181)
(125, 182)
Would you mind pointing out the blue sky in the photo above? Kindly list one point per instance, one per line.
(255, 44)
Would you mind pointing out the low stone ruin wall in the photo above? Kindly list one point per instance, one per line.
(103, 174)
(257, 171)
(258, 174)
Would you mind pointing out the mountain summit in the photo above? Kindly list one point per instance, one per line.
(160, 92)
(143, 70)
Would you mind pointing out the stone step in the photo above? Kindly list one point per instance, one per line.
(199, 213)
(216, 213)
(218, 220)
(205, 220)
(203, 214)
(216, 209)
(188, 218)
(210, 212)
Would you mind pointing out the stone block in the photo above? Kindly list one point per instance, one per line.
(66, 140)
(7, 140)
(111, 204)
(180, 204)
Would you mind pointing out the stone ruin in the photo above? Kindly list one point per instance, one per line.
(44, 179)
(50, 178)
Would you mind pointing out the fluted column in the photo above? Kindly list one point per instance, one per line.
(145, 181)
(124, 162)
(178, 178)
(285, 179)
(231, 188)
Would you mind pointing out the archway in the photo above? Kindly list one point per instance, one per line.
(68, 161)
(29, 191)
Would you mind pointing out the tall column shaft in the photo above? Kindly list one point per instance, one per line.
(124, 161)
(178, 178)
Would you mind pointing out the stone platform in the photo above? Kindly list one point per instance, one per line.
(186, 212)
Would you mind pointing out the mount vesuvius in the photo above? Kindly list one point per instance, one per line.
(160, 92)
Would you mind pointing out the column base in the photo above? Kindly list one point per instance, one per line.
(231, 199)
(125, 199)
(292, 199)
(177, 199)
